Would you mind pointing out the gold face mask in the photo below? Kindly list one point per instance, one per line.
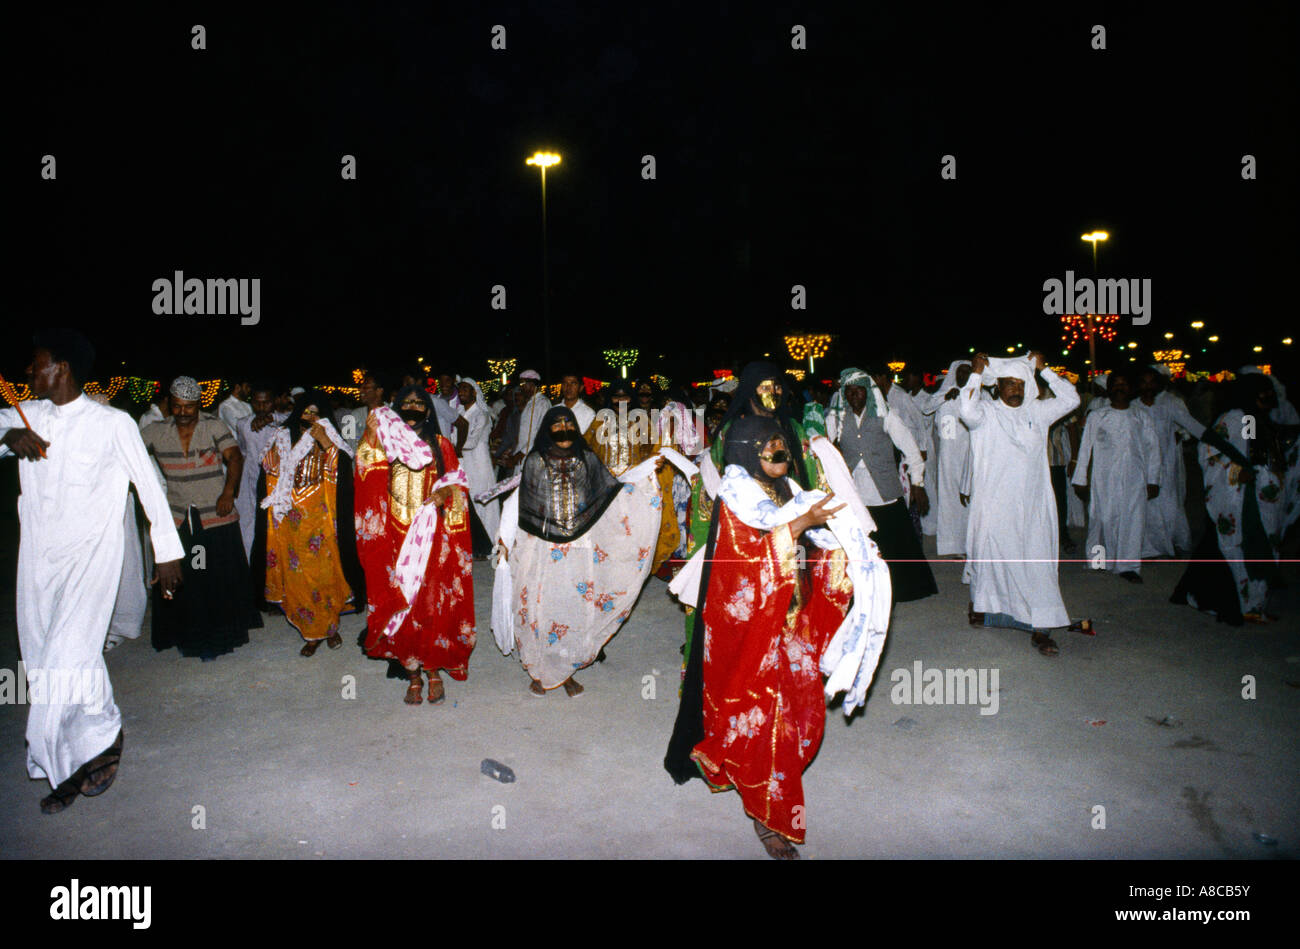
(769, 395)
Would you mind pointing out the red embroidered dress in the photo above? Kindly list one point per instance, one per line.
(766, 626)
(438, 633)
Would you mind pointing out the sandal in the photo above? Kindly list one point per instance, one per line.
(413, 696)
(99, 772)
(1082, 626)
(335, 641)
(1044, 644)
(976, 619)
(536, 688)
(777, 847)
(309, 648)
(61, 798)
(437, 694)
(571, 687)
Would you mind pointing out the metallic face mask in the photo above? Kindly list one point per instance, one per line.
(769, 395)
(413, 416)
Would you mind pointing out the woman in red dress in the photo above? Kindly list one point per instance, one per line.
(413, 538)
(753, 710)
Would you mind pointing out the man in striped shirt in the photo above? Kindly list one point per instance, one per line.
(202, 618)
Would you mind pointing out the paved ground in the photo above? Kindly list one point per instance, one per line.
(284, 766)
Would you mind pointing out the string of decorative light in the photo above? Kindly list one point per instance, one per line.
(502, 368)
(1075, 328)
(621, 359)
(808, 346)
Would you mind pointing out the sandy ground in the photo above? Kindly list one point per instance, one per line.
(283, 765)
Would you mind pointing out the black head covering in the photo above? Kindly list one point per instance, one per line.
(294, 422)
(746, 389)
(429, 430)
(575, 473)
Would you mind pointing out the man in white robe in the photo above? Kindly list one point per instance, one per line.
(571, 399)
(1012, 532)
(1120, 443)
(950, 457)
(253, 434)
(1167, 532)
(74, 467)
(475, 458)
(235, 406)
(535, 407)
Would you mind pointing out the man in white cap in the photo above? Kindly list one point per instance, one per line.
(210, 616)
(535, 406)
(1012, 532)
(74, 466)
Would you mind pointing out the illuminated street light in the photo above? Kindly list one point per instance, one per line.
(544, 160)
(1092, 238)
(1198, 325)
(1213, 339)
(1258, 349)
(1169, 336)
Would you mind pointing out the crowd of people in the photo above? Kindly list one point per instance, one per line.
(789, 518)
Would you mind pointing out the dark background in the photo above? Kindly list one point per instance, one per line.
(775, 167)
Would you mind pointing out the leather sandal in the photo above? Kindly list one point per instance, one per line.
(99, 772)
(309, 648)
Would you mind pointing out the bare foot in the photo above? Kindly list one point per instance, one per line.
(571, 687)
(778, 848)
(536, 688)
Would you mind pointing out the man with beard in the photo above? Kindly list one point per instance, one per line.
(576, 548)
(413, 538)
(203, 619)
(867, 435)
(75, 463)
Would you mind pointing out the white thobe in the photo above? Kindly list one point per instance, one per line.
(476, 460)
(1012, 533)
(530, 423)
(70, 565)
(231, 410)
(949, 462)
(1125, 456)
(253, 446)
(1167, 530)
(584, 413)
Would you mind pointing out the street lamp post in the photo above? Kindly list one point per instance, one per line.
(544, 160)
(1092, 238)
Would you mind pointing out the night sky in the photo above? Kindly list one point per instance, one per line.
(774, 167)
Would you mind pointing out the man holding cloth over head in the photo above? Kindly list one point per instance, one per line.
(1012, 532)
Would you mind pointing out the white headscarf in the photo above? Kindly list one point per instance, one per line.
(1016, 421)
(478, 395)
(950, 380)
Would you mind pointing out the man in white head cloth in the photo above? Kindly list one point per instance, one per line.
(1012, 532)
(535, 406)
(866, 431)
(1124, 451)
(74, 466)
